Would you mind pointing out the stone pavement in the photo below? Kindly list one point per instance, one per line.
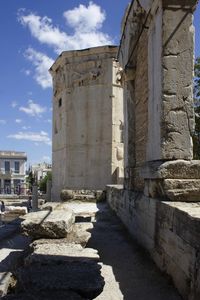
(128, 272)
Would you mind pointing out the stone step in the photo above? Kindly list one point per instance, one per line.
(51, 253)
(48, 224)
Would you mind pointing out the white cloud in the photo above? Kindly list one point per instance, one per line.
(42, 63)
(14, 104)
(33, 109)
(43, 30)
(3, 122)
(18, 121)
(37, 137)
(26, 127)
(85, 21)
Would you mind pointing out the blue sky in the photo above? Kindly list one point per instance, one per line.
(33, 33)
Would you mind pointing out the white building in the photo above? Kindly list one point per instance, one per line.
(40, 170)
(12, 172)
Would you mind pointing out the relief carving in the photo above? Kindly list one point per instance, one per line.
(86, 77)
(83, 74)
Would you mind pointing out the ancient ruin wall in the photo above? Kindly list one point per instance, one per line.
(159, 203)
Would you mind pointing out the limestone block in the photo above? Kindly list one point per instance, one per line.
(167, 265)
(182, 189)
(175, 169)
(66, 195)
(18, 210)
(173, 189)
(80, 277)
(55, 224)
(55, 206)
(5, 282)
(187, 224)
(80, 234)
(180, 252)
(50, 252)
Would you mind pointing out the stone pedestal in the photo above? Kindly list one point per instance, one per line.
(177, 180)
(35, 198)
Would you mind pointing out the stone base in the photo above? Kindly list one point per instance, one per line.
(173, 180)
(170, 231)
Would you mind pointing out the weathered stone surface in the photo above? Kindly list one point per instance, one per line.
(66, 195)
(175, 169)
(173, 189)
(169, 230)
(5, 282)
(50, 224)
(50, 252)
(12, 213)
(81, 233)
(182, 190)
(55, 206)
(88, 89)
(82, 278)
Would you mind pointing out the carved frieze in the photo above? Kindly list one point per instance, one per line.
(81, 74)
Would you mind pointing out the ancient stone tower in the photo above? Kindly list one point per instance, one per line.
(87, 120)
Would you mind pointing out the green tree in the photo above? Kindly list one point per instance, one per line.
(196, 136)
(30, 180)
(43, 182)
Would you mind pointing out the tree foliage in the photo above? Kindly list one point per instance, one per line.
(30, 180)
(196, 136)
(43, 182)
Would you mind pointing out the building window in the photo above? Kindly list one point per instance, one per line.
(60, 102)
(17, 167)
(7, 166)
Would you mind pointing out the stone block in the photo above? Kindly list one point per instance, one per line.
(55, 206)
(83, 278)
(48, 224)
(5, 282)
(66, 195)
(50, 252)
(187, 190)
(81, 233)
(180, 252)
(175, 169)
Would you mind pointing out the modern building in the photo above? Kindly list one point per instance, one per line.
(12, 172)
(87, 120)
(40, 170)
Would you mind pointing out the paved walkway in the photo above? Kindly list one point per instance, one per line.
(129, 272)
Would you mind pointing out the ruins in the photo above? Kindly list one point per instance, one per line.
(159, 200)
(118, 108)
(87, 120)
